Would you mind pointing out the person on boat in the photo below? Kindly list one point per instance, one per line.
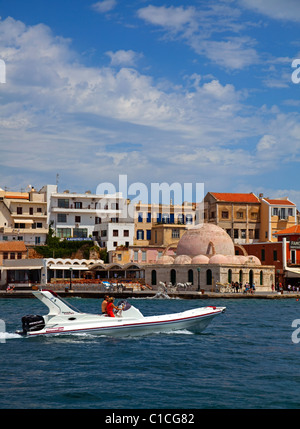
(104, 304)
(110, 307)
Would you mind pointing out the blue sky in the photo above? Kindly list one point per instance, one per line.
(173, 91)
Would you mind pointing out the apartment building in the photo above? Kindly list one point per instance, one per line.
(85, 215)
(276, 214)
(237, 213)
(23, 217)
(162, 224)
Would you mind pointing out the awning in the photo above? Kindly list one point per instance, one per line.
(292, 272)
(21, 220)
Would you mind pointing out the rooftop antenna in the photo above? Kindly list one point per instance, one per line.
(57, 180)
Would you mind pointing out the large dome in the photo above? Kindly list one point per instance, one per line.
(206, 239)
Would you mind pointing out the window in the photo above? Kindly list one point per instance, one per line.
(235, 233)
(63, 232)
(136, 255)
(225, 215)
(140, 217)
(19, 210)
(229, 276)
(274, 255)
(5, 255)
(165, 218)
(126, 233)
(275, 211)
(228, 232)
(61, 218)
(173, 276)
(39, 210)
(144, 254)
(78, 205)
(189, 219)
(31, 210)
(153, 277)
(191, 276)
(240, 215)
(39, 225)
(80, 232)
(208, 277)
(251, 233)
(119, 257)
(243, 233)
(263, 254)
(261, 278)
(256, 234)
(63, 203)
(148, 234)
(149, 217)
(175, 233)
(254, 216)
(97, 220)
(12, 255)
(180, 219)
(140, 234)
(115, 233)
(37, 240)
(77, 219)
(290, 212)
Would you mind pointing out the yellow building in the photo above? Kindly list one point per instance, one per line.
(237, 213)
(162, 224)
(276, 214)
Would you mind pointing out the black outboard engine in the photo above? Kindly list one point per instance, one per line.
(32, 323)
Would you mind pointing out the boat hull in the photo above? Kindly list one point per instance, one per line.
(147, 325)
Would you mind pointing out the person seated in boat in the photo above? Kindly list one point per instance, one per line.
(110, 307)
(104, 304)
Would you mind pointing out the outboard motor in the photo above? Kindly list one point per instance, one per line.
(32, 323)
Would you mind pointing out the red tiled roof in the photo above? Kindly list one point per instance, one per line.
(295, 229)
(236, 198)
(279, 202)
(13, 246)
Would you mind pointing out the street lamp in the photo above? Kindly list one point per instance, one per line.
(71, 269)
(198, 270)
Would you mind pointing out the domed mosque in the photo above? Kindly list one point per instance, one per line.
(205, 256)
(209, 244)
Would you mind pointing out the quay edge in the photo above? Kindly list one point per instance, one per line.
(151, 294)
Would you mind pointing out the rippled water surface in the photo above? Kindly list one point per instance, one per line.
(244, 359)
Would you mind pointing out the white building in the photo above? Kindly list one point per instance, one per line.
(101, 217)
(23, 217)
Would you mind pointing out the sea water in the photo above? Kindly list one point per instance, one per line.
(246, 358)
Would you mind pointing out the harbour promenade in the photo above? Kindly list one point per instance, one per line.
(127, 294)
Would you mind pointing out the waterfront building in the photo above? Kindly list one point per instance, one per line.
(103, 218)
(276, 214)
(162, 224)
(237, 213)
(23, 217)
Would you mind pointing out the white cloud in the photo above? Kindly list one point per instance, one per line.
(277, 9)
(104, 6)
(62, 116)
(196, 27)
(124, 58)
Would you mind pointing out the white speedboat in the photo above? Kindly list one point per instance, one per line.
(63, 319)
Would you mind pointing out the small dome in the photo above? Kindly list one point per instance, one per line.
(242, 258)
(218, 259)
(200, 259)
(166, 259)
(206, 239)
(182, 259)
(233, 259)
(253, 260)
